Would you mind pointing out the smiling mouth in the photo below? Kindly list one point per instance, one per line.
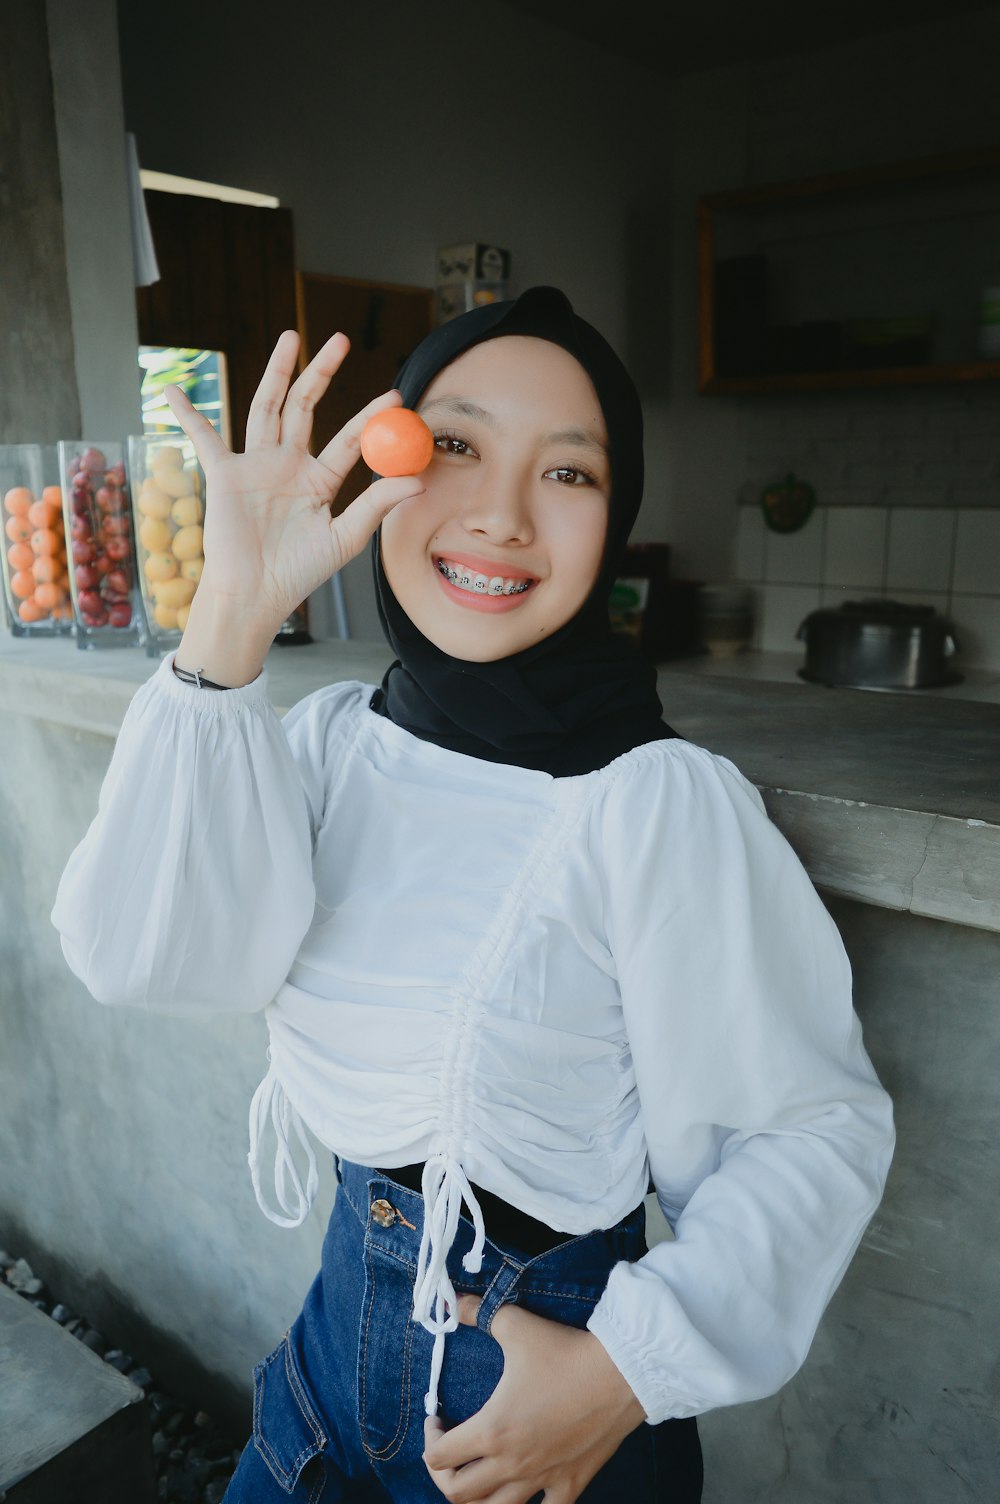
(464, 578)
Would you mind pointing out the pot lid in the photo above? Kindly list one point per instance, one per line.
(875, 608)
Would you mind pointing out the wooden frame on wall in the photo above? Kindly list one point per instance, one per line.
(967, 166)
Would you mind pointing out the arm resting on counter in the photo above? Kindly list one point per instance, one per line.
(193, 887)
(769, 1136)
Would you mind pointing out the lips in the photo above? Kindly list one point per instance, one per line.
(476, 564)
(482, 584)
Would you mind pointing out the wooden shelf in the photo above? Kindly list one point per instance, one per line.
(960, 167)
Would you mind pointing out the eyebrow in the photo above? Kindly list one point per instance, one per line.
(463, 408)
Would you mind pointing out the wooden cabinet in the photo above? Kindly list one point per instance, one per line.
(856, 279)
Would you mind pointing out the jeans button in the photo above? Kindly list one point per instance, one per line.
(383, 1213)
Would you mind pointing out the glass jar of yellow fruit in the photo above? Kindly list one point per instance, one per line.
(168, 500)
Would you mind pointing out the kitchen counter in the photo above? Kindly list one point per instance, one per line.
(892, 799)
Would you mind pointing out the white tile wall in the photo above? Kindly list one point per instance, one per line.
(977, 553)
(750, 544)
(795, 558)
(782, 610)
(976, 619)
(936, 556)
(855, 546)
(921, 544)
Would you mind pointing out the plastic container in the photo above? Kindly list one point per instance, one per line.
(725, 615)
(168, 509)
(33, 558)
(98, 523)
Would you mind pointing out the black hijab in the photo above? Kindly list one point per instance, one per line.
(581, 697)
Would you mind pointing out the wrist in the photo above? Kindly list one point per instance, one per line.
(224, 640)
(619, 1399)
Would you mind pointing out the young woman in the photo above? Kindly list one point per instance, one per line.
(525, 953)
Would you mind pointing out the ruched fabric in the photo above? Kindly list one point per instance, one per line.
(551, 988)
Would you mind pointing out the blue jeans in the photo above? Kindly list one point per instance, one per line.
(338, 1405)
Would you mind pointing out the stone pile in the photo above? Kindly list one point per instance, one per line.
(193, 1458)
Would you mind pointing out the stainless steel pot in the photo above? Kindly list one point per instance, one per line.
(878, 644)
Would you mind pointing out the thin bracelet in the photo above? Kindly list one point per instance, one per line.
(194, 676)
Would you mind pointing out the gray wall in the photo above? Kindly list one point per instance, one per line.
(123, 1138)
(67, 299)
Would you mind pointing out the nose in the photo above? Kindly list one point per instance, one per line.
(499, 508)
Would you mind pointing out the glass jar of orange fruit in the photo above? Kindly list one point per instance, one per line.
(36, 587)
(168, 490)
(98, 524)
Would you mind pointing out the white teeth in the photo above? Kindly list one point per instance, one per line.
(480, 584)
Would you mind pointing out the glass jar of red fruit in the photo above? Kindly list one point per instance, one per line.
(98, 520)
(33, 564)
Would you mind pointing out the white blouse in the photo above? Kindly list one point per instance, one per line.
(550, 987)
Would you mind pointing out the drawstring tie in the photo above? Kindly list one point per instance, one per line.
(444, 1187)
(294, 1199)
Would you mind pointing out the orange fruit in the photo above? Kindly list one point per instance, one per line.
(153, 502)
(397, 442)
(18, 500)
(43, 513)
(46, 541)
(63, 612)
(187, 543)
(45, 569)
(154, 535)
(22, 584)
(48, 596)
(18, 528)
(30, 610)
(20, 556)
(53, 495)
(160, 567)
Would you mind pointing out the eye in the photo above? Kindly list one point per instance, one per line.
(572, 475)
(450, 443)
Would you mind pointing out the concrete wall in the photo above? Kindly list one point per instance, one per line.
(67, 299)
(38, 395)
(123, 1138)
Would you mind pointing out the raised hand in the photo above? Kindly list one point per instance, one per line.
(270, 537)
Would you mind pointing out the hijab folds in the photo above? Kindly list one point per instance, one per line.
(572, 702)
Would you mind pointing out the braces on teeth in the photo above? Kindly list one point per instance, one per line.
(468, 579)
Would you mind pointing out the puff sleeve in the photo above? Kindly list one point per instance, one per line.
(193, 886)
(768, 1134)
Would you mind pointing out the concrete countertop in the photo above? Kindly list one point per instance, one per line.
(892, 799)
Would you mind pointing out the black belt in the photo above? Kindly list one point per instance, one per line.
(505, 1224)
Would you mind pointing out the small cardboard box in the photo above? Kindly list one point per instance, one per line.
(470, 275)
(472, 262)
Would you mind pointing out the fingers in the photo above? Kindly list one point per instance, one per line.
(468, 1309)
(460, 1477)
(208, 445)
(357, 522)
(344, 449)
(264, 420)
(297, 413)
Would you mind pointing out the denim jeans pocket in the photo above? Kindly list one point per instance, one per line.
(385, 1352)
(287, 1432)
